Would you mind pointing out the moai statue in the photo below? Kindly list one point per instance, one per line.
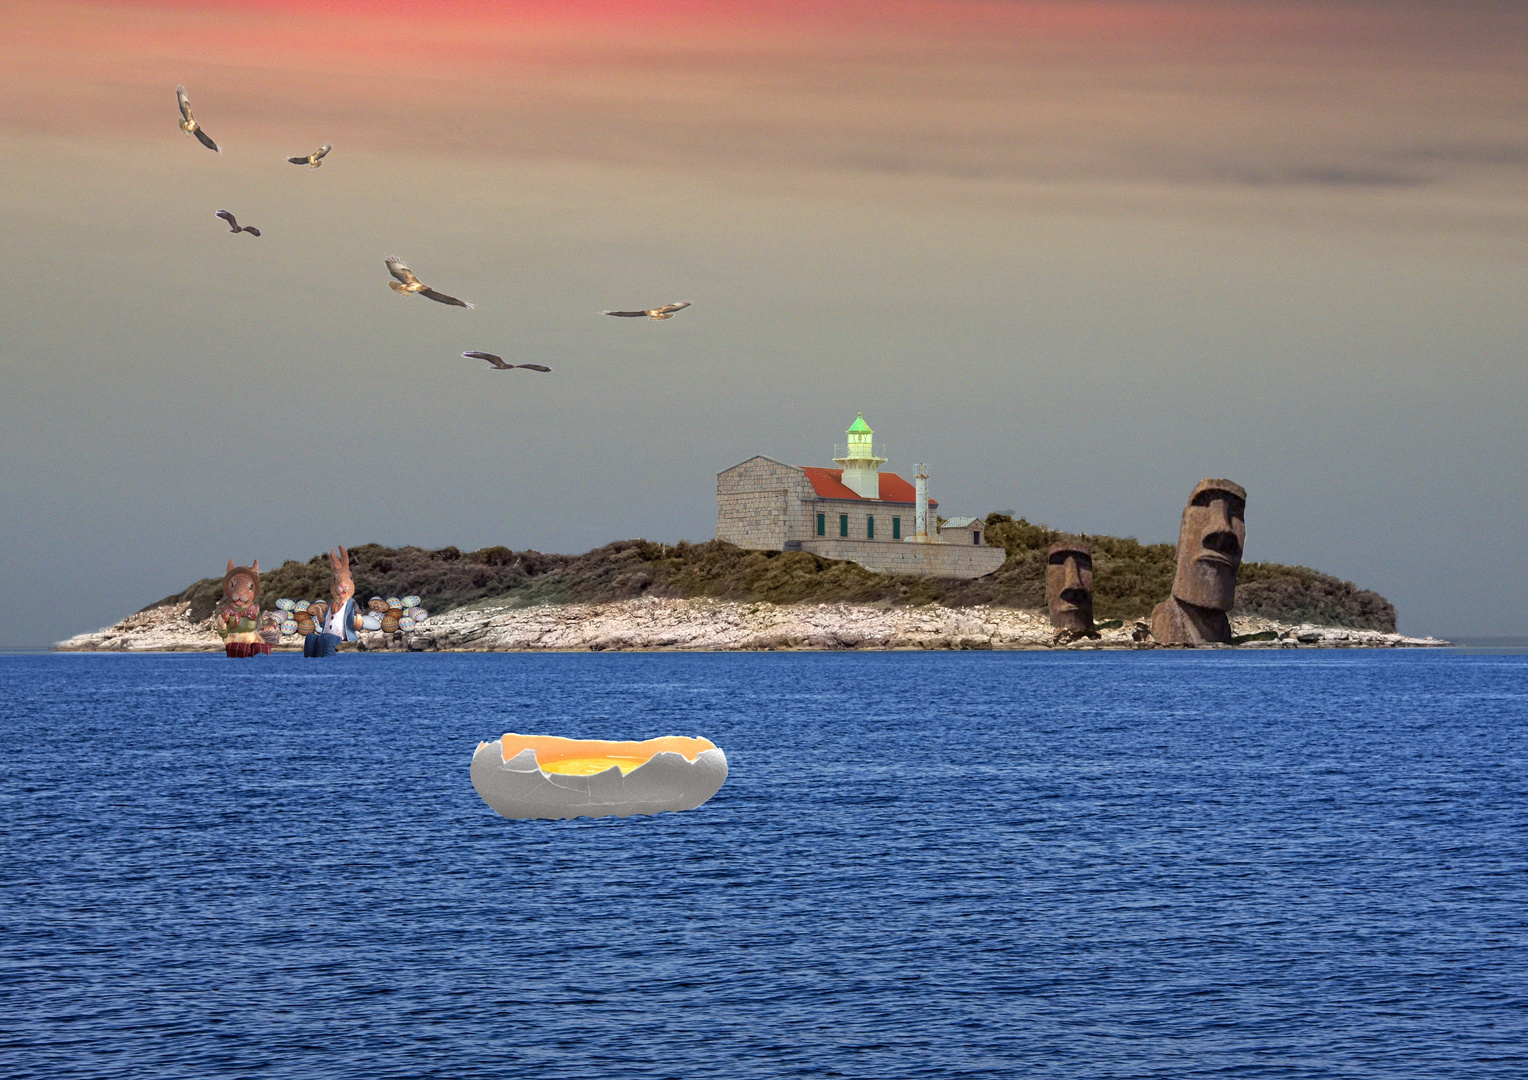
(1209, 554)
(1069, 586)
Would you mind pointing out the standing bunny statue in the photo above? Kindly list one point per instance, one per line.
(237, 618)
(342, 618)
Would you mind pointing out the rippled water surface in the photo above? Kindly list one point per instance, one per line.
(922, 865)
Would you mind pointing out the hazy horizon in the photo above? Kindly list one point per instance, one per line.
(1075, 256)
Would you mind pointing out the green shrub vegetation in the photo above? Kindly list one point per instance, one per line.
(1129, 578)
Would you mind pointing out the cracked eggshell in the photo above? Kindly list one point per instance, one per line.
(518, 775)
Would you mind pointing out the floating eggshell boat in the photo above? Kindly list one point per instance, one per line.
(545, 776)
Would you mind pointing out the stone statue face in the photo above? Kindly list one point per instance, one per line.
(1069, 586)
(1210, 545)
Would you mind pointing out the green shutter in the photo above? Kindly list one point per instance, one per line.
(896, 528)
(822, 525)
(869, 526)
(843, 524)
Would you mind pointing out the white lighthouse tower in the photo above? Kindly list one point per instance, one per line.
(860, 465)
(920, 510)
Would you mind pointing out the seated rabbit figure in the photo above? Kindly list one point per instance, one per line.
(342, 619)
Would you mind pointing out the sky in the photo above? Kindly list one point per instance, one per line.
(1076, 256)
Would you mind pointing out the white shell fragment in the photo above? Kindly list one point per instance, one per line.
(674, 773)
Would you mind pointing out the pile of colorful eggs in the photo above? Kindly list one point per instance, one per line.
(396, 614)
(302, 617)
(307, 617)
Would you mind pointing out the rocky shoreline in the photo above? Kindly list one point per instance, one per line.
(661, 623)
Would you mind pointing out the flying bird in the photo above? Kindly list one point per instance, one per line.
(665, 312)
(407, 283)
(234, 226)
(315, 159)
(498, 362)
(189, 125)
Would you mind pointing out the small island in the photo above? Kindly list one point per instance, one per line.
(637, 594)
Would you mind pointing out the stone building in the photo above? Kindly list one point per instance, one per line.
(855, 512)
(962, 530)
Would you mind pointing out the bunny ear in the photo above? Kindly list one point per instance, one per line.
(345, 557)
(334, 560)
(255, 566)
(230, 567)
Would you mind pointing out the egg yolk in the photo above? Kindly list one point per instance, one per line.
(588, 766)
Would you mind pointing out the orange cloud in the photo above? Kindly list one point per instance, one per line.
(1249, 94)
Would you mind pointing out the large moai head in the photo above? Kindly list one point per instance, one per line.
(1210, 543)
(1069, 586)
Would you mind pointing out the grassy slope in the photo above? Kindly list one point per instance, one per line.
(1128, 579)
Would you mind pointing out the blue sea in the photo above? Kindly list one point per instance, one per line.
(1166, 864)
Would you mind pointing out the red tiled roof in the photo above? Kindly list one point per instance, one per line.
(829, 484)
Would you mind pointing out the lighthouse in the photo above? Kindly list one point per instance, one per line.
(860, 465)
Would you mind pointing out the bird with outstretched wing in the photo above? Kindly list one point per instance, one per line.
(655, 314)
(407, 284)
(188, 122)
(234, 226)
(315, 159)
(496, 361)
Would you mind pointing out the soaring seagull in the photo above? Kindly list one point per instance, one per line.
(407, 283)
(234, 226)
(664, 312)
(498, 361)
(315, 159)
(188, 122)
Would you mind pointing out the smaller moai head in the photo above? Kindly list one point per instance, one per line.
(341, 585)
(1069, 585)
(241, 584)
(1210, 542)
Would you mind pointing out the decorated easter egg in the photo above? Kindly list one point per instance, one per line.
(410, 601)
(418, 614)
(546, 776)
(301, 605)
(406, 624)
(286, 605)
(391, 619)
(394, 602)
(289, 628)
(377, 604)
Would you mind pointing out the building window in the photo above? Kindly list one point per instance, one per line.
(843, 524)
(976, 537)
(822, 524)
(896, 528)
(869, 526)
